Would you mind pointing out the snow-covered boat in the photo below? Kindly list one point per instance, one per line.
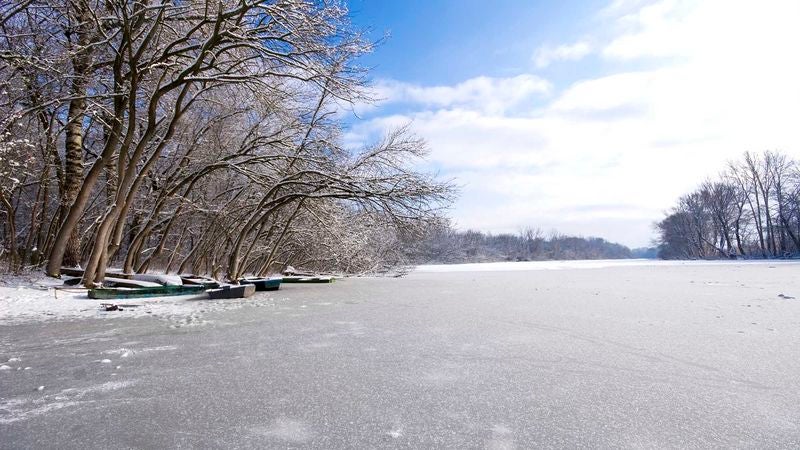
(78, 272)
(209, 283)
(166, 280)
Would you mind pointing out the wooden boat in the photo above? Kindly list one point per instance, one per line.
(122, 282)
(113, 282)
(72, 281)
(292, 272)
(193, 280)
(299, 279)
(231, 291)
(119, 274)
(71, 271)
(144, 292)
(263, 284)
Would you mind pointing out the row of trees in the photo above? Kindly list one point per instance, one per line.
(195, 137)
(752, 210)
(442, 244)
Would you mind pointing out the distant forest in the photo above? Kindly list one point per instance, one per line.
(447, 246)
(752, 210)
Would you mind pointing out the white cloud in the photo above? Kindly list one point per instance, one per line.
(607, 154)
(491, 95)
(713, 30)
(548, 54)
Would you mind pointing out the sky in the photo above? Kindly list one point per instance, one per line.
(586, 117)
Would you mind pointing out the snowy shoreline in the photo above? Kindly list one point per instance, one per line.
(33, 297)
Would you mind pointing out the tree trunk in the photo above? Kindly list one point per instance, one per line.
(13, 257)
(73, 140)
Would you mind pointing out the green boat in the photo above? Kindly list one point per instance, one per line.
(144, 292)
(209, 283)
(263, 284)
(299, 279)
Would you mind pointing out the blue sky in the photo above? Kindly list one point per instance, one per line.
(444, 42)
(587, 117)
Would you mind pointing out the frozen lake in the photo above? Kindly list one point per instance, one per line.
(592, 354)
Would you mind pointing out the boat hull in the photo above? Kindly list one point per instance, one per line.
(263, 284)
(208, 283)
(225, 292)
(144, 292)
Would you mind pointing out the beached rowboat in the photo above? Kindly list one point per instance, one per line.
(144, 292)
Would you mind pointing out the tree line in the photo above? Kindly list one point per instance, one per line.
(443, 244)
(751, 210)
(199, 137)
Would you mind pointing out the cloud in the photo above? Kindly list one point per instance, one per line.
(712, 30)
(547, 54)
(488, 94)
(688, 86)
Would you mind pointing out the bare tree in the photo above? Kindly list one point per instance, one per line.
(192, 136)
(754, 203)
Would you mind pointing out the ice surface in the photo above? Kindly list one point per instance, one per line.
(40, 403)
(650, 355)
(286, 429)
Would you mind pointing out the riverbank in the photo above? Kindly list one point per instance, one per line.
(34, 297)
